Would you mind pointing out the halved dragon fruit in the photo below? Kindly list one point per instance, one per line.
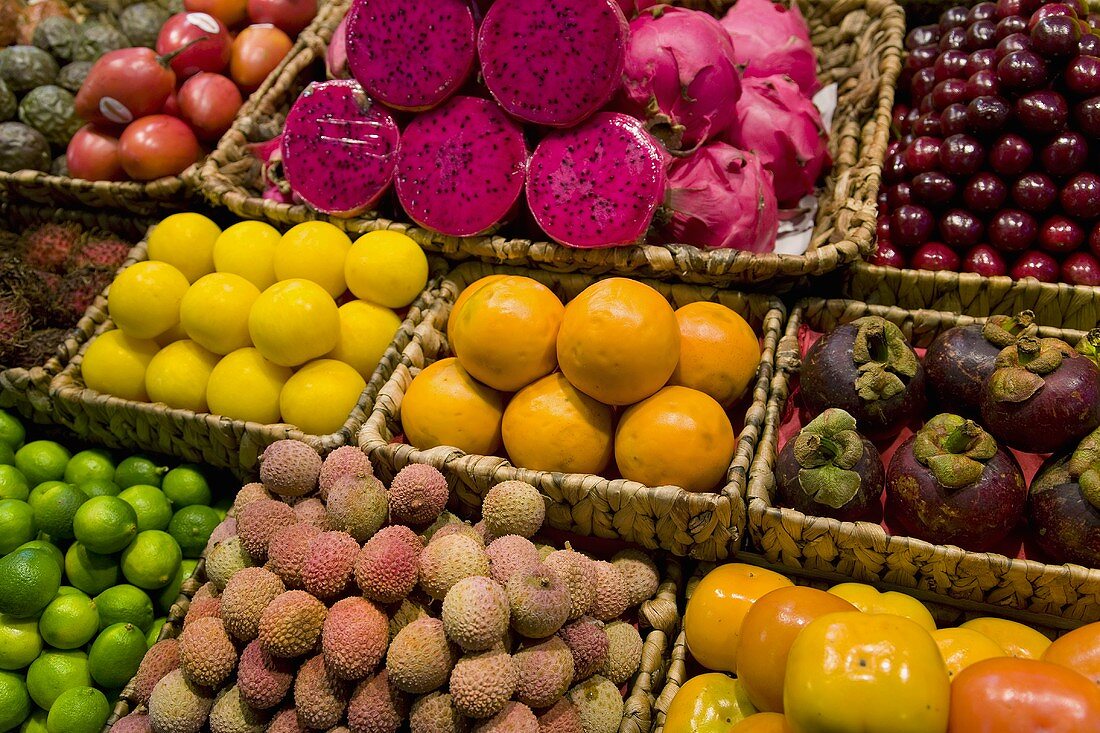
(410, 55)
(336, 55)
(339, 148)
(680, 76)
(784, 128)
(461, 167)
(552, 63)
(598, 184)
(771, 37)
(721, 197)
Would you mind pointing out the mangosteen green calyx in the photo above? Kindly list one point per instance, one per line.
(1089, 346)
(866, 368)
(951, 484)
(961, 358)
(1065, 505)
(1042, 397)
(829, 469)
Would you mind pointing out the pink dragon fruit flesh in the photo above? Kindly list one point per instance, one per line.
(410, 55)
(784, 128)
(461, 167)
(721, 197)
(339, 148)
(631, 8)
(336, 55)
(552, 63)
(772, 38)
(270, 155)
(680, 76)
(598, 184)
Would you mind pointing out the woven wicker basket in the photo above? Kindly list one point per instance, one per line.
(1061, 594)
(704, 525)
(27, 390)
(213, 439)
(859, 46)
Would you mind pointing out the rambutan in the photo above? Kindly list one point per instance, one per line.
(39, 347)
(78, 290)
(102, 250)
(49, 246)
(15, 323)
(38, 288)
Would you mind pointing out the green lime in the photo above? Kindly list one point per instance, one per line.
(15, 703)
(124, 604)
(11, 430)
(186, 485)
(79, 710)
(105, 524)
(154, 630)
(188, 564)
(151, 560)
(89, 571)
(41, 490)
(29, 580)
(20, 643)
(154, 511)
(69, 622)
(94, 487)
(137, 470)
(16, 524)
(7, 455)
(13, 484)
(54, 672)
(68, 590)
(116, 654)
(89, 464)
(170, 593)
(42, 460)
(191, 528)
(47, 547)
(36, 723)
(56, 508)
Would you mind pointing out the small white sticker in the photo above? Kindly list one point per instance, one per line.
(115, 111)
(203, 21)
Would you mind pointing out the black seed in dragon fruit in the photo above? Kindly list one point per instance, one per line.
(553, 63)
(461, 167)
(410, 56)
(598, 184)
(339, 148)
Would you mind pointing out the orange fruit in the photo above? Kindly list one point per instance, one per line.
(717, 609)
(551, 425)
(962, 647)
(678, 437)
(619, 341)
(762, 723)
(719, 352)
(506, 332)
(444, 405)
(466, 294)
(767, 633)
(1016, 639)
(1079, 650)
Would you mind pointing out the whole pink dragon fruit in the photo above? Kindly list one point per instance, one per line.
(339, 148)
(680, 76)
(336, 55)
(598, 184)
(721, 197)
(461, 167)
(784, 128)
(552, 63)
(631, 8)
(771, 37)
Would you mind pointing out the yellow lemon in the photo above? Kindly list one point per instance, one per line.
(248, 249)
(144, 300)
(366, 331)
(115, 364)
(444, 405)
(314, 250)
(171, 336)
(185, 241)
(387, 268)
(178, 374)
(320, 396)
(246, 386)
(294, 321)
(214, 312)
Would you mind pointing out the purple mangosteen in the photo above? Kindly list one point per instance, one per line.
(1064, 505)
(951, 484)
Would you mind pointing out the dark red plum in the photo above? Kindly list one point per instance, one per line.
(1022, 71)
(1094, 239)
(982, 11)
(899, 195)
(1011, 155)
(985, 261)
(887, 255)
(953, 40)
(921, 85)
(959, 361)
(1045, 112)
(1051, 10)
(1061, 235)
(894, 169)
(1034, 192)
(961, 155)
(984, 59)
(985, 193)
(1024, 8)
(911, 225)
(1043, 396)
(928, 124)
(830, 470)
(1081, 268)
(954, 120)
(921, 58)
(1056, 36)
(982, 84)
(955, 17)
(982, 34)
(933, 189)
(923, 155)
(1065, 155)
(1012, 43)
(935, 256)
(1012, 24)
(868, 369)
(987, 115)
(1083, 76)
(922, 35)
(1087, 116)
(1011, 230)
(1081, 196)
(1089, 45)
(1036, 264)
(1064, 506)
(950, 65)
(948, 92)
(951, 484)
(961, 229)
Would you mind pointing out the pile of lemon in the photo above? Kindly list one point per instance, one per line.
(253, 324)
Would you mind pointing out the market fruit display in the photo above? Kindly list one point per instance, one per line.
(49, 275)
(802, 655)
(993, 171)
(253, 324)
(613, 378)
(377, 609)
(641, 115)
(94, 547)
